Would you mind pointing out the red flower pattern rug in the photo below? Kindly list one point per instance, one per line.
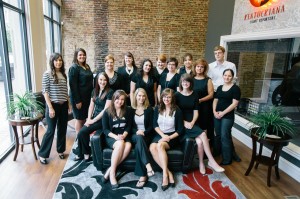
(82, 180)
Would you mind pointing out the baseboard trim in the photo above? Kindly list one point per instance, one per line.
(286, 166)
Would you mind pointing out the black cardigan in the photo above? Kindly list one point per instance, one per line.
(107, 121)
(148, 118)
(179, 128)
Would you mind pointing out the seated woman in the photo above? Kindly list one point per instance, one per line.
(168, 124)
(117, 122)
(101, 99)
(142, 135)
(187, 100)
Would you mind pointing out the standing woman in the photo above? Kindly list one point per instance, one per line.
(203, 86)
(226, 99)
(117, 123)
(188, 65)
(145, 79)
(161, 66)
(142, 135)
(127, 72)
(170, 79)
(115, 80)
(187, 100)
(168, 124)
(55, 91)
(81, 86)
(101, 99)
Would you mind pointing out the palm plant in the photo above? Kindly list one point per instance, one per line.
(24, 105)
(271, 122)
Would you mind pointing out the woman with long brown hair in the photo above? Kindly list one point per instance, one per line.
(117, 123)
(168, 124)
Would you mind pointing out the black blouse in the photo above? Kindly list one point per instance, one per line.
(117, 125)
(81, 83)
(173, 83)
(148, 86)
(100, 103)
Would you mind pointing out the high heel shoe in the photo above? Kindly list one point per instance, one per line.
(219, 170)
(165, 187)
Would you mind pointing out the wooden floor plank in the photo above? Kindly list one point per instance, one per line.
(27, 178)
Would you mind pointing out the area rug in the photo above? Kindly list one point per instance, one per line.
(82, 180)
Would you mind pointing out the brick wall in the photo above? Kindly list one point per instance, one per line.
(145, 28)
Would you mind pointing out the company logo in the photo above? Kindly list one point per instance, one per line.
(259, 3)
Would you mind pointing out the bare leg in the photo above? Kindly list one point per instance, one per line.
(163, 158)
(115, 160)
(211, 161)
(200, 151)
(154, 153)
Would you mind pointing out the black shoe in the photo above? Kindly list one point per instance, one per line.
(77, 158)
(236, 158)
(164, 187)
(172, 184)
(103, 179)
(114, 186)
(43, 161)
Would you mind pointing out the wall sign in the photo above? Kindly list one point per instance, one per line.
(261, 15)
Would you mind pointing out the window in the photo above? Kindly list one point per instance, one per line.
(14, 62)
(52, 27)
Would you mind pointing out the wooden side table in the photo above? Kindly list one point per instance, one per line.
(21, 140)
(277, 145)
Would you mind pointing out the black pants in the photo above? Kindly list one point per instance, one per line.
(61, 121)
(142, 154)
(83, 137)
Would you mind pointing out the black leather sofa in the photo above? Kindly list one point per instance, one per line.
(180, 158)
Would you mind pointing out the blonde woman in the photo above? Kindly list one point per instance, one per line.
(142, 135)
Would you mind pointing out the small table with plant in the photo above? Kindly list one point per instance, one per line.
(23, 140)
(269, 128)
(25, 110)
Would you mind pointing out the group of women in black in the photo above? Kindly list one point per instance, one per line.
(165, 108)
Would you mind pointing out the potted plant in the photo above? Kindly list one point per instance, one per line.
(271, 122)
(24, 106)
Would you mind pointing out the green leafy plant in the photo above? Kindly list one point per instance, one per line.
(270, 121)
(24, 105)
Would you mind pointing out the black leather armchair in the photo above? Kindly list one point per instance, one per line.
(180, 158)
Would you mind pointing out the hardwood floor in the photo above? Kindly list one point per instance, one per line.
(27, 178)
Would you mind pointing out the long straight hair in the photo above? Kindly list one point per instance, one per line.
(97, 87)
(55, 57)
(112, 109)
(129, 54)
(162, 106)
(146, 102)
(75, 61)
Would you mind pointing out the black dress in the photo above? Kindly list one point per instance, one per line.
(188, 104)
(206, 117)
(81, 86)
(157, 75)
(173, 83)
(148, 86)
(84, 133)
(126, 79)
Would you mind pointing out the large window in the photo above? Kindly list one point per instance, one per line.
(268, 74)
(52, 27)
(14, 62)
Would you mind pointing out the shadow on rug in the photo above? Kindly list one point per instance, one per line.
(82, 180)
